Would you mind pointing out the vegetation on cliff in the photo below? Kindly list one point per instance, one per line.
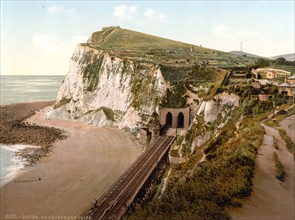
(202, 190)
(218, 174)
(91, 73)
(143, 47)
(183, 79)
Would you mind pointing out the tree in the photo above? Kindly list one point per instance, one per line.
(280, 61)
(261, 62)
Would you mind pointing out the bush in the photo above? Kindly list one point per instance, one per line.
(289, 143)
(61, 102)
(279, 173)
(282, 112)
(175, 98)
(108, 113)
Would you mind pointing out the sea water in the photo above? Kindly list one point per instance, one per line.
(16, 89)
(10, 163)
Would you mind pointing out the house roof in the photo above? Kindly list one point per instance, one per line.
(285, 84)
(263, 81)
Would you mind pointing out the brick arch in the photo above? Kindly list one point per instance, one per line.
(180, 117)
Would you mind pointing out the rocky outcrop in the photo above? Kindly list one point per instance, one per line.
(106, 90)
(211, 117)
(213, 108)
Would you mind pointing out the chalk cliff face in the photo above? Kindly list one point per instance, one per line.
(106, 90)
(121, 78)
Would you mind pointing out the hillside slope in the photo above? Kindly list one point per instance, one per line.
(127, 86)
(242, 53)
(144, 47)
(288, 57)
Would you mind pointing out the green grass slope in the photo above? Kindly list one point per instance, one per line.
(144, 47)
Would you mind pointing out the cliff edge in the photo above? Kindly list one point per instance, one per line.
(122, 78)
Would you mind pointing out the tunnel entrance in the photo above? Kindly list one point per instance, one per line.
(180, 120)
(175, 117)
(169, 119)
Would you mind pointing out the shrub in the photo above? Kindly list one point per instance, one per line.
(108, 113)
(61, 102)
(279, 173)
(175, 97)
(289, 143)
(275, 143)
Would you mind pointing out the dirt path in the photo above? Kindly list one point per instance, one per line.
(270, 199)
(78, 171)
(289, 126)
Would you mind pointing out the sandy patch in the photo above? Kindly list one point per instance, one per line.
(77, 171)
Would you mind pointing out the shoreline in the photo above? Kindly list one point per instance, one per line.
(82, 166)
(28, 102)
(21, 155)
(16, 162)
(15, 130)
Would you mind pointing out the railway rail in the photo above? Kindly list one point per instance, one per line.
(117, 199)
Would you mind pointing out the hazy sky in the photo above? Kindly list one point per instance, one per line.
(39, 37)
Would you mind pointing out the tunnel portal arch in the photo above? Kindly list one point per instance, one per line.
(175, 117)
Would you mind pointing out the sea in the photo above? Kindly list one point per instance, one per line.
(16, 89)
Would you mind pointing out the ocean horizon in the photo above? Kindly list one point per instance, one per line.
(29, 88)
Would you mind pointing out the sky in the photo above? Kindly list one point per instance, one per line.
(39, 37)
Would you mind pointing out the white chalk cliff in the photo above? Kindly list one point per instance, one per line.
(105, 90)
(121, 78)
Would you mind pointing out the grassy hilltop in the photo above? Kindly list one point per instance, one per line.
(144, 47)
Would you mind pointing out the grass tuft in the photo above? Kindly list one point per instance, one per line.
(279, 173)
(289, 143)
(275, 143)
(61, 102)
(108, 113)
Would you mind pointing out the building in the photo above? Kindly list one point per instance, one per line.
(256, 85)
(255, 73)
(271, 75)
(291, 80)
(288, 87)
(263, 82)
(264, 97)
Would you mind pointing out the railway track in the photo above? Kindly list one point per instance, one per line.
(115, 201)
